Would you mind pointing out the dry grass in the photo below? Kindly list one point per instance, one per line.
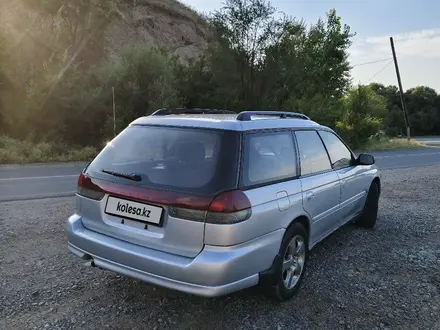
(13, 151)
(384, 144)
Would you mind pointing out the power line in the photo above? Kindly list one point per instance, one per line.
(372, 62)
(381, 70)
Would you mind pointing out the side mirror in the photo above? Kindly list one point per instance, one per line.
(365, 159)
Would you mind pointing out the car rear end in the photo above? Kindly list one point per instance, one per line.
(144, 202)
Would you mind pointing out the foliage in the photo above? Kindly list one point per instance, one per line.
(384, 144)
(144, 81)
(244, 30)
(364, 113)
(60, 84)
(310, 64)
(423, 109)
(67, 107)
(423, 105)
(14, 151)
(264, 62)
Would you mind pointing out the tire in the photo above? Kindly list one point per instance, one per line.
(294, 252)
(368, 217)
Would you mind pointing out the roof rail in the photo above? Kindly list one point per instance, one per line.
(247, 115)
(192, 111)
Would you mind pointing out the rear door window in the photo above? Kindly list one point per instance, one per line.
(313, 156)
(179, 159)
(268, 157)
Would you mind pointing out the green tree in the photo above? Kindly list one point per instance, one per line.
(423, 109)
(247, 28)
(424, 115)
(77, 107)
(51, 99)
(363, 117)
(307, 70)
(144, 81)
(394, 122)
(212, 81)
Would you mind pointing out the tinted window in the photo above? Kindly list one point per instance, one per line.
(340, 156)
(268, 157)
(313, 156)
(182, 159)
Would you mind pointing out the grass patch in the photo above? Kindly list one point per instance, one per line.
(14, 151)
(384, 144)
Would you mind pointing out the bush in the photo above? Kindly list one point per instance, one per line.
(364, 113)
(144, 81)
(73, 105)
(13, 151)
(385, 143)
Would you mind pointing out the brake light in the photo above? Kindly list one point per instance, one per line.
(228, 208)
(87, 188)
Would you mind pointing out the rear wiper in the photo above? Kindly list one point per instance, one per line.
(133, 177)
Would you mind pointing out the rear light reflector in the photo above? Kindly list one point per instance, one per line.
(228, 218)
(88, 189)
(187, 214)
(229, 208)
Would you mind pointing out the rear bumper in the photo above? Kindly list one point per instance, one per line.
(214, 272)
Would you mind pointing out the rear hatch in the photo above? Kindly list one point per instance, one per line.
(152, 185)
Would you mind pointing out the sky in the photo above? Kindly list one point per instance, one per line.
(413, 24)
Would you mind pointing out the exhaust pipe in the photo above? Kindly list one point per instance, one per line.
(92, 263)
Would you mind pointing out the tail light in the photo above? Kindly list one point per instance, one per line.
(228, 208)
(87, 188)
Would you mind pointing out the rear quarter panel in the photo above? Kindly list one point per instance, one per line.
(273, 207)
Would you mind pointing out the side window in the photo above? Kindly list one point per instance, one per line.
(313, 156)
(340, 156)
(268, 157)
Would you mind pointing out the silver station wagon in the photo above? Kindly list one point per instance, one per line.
(210, 201)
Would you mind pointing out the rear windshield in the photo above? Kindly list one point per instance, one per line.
(190, 160)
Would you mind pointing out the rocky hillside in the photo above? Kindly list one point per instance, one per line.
(167, 24)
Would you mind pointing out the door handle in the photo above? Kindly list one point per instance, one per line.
(310, 195)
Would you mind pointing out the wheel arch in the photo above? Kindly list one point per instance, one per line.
(267, 277)
(303, 220)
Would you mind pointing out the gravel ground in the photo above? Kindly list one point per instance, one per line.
(388, 277)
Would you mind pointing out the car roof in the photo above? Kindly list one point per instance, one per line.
(225, 121)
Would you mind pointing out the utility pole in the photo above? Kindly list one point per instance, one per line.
(402, 100)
